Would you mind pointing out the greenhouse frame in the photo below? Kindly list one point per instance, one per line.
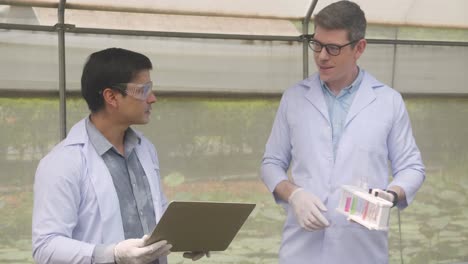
(220, 68)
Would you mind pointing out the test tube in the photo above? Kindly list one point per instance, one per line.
(366, 208)
(348, 203)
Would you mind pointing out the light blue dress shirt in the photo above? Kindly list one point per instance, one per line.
(338, 107)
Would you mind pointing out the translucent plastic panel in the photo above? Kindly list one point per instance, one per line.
(431, 69)
(21, 146)
(210, 149)
(404, 32)
(381, 32)
(29, 128)
(418, 69)
(168, 22)
(435, 34)
(29, 61)
(28, 15)
(412, 12)
(377, 60)
(434, 226)
(296, 8)
(200, 65)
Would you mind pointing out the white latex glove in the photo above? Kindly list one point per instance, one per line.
(196, 255)
(308, 209)
(385, 194)
(134, 251)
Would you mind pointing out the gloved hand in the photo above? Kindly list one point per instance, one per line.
(196, 255)
(388, 195)
(307, 208)
(134, 251)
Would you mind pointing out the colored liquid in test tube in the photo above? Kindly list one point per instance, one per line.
(365, 209)
(353, 205)
(364, 213)
(348, 203)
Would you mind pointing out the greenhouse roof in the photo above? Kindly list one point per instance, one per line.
(431, 13)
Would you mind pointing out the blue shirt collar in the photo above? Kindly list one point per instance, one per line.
(349, 89)
(102, 145)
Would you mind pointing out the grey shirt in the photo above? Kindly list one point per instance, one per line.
(131, 185)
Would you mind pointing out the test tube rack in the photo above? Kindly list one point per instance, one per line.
(362, 207)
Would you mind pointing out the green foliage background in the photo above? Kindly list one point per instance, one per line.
(211, 148)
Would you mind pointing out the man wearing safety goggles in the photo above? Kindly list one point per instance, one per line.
(135, 90)
(97, 194)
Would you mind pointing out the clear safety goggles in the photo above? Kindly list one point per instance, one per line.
(135, 90)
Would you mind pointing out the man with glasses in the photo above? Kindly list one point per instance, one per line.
(338, 127)
(98, 194)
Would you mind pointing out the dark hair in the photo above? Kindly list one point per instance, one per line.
(345, 15)
(106, 68)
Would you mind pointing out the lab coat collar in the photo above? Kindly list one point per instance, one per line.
(77, 134)
(109, 208)
(100, 176)
(365, 95)
(315, 95)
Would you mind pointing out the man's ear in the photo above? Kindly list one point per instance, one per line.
(360, 47)
(109, 97)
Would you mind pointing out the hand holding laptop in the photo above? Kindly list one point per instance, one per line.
(196, 255)
(197, 228)
(134, 251)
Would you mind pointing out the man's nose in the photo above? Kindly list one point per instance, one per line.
(323, 54)
(151, 98)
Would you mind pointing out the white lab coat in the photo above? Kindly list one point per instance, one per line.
(377, 129)
(75, 202)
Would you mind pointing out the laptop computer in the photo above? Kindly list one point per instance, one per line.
(200, 226)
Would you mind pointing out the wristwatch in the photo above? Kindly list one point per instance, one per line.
(395, 197)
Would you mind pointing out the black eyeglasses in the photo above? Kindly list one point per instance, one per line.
(332, 49)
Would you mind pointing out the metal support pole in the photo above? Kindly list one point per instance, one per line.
(394, 60)
(305, 41)
(110, 6)
(60, 26)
